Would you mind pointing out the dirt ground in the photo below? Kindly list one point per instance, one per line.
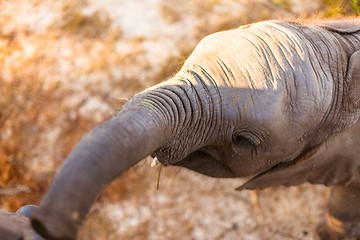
(68, 65)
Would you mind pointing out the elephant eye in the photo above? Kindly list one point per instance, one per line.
(241, 140)
(245, 139)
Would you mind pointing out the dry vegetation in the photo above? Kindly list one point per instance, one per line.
(64, 64)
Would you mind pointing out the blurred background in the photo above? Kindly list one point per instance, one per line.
(68, 65)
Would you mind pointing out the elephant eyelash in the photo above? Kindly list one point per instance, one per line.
(244, 138)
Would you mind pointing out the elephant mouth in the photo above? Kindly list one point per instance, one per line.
(206, 161)
(284, 173)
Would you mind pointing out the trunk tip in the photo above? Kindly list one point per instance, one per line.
(47, 229)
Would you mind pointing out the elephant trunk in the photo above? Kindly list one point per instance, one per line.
(103, 154)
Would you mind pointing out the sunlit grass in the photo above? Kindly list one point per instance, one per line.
(356, 5)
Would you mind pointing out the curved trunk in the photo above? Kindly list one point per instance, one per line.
(149, 122)
(103, 154)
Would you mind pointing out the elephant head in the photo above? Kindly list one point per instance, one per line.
(246, 101)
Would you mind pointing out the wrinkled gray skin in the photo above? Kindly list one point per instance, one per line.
(275, 100)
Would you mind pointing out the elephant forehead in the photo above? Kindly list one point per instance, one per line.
(267, 70)
(234, 61)
(262, 56)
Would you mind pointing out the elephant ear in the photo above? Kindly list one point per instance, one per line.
(300, 169)
(350, 25)
(341, 26)
(353, 82)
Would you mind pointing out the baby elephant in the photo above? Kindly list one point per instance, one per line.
(275, 100)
